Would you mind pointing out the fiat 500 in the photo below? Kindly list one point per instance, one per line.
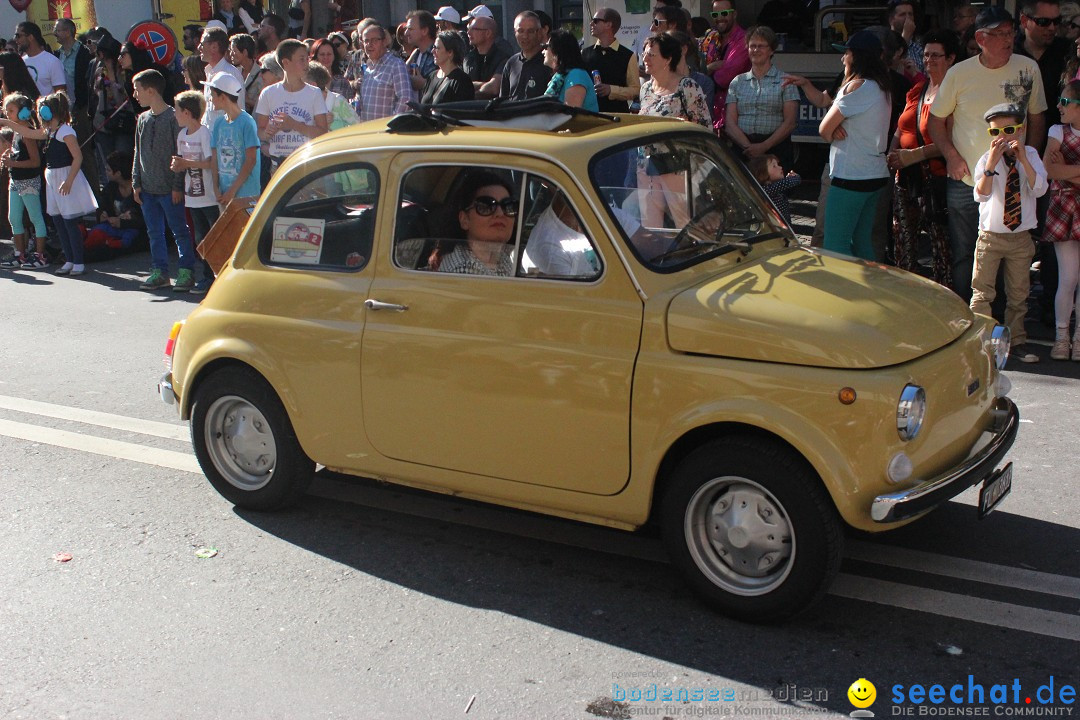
(597, 318)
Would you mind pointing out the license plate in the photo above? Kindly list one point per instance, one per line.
(994, 490)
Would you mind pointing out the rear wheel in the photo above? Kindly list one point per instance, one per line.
(245, 442)
(752, 529)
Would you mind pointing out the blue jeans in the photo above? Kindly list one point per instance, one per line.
(963, 232)
(157, 210)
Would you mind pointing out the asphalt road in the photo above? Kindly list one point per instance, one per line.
(375, 602)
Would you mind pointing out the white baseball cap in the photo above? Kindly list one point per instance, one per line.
(216, 24)
(480, 11)
(448, 14)
(226, 83)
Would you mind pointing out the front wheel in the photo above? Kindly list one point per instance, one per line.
(751, 528)
(245, 443)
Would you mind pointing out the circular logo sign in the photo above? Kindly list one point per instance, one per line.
(156, 38)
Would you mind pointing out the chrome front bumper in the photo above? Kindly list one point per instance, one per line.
(165, 389)
(976, 468)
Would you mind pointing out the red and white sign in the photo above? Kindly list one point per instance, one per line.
(157, 38)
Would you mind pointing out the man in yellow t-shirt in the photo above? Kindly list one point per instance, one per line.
(969, 89)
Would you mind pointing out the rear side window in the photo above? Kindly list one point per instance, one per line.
(326, 222)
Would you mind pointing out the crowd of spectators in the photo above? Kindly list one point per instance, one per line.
(905, 119)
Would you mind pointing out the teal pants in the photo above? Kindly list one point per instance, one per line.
(32, 203)
(849, 221)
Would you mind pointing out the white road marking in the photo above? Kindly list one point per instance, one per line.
(93, 417)
(962, 607)
(976, 570)
(883, 592)
(101, 446)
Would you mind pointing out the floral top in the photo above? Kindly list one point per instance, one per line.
(686, 103)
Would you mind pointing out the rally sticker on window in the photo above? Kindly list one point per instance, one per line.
(297, 240)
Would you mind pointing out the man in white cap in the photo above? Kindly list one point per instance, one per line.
(448, 19)
(485, 60)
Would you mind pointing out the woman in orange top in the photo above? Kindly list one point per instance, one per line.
(919, 196)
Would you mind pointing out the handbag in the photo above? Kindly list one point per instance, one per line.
(120, 122)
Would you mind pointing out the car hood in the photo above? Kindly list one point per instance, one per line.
(818, 309)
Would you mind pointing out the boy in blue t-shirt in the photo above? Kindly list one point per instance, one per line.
(235, 142)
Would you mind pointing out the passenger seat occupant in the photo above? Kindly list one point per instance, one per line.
(556, 245)
(487, 216)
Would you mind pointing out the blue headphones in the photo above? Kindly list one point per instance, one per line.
(44, 112)
(24, 113)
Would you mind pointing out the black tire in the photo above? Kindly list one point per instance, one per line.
(245, 442)
(772, 542)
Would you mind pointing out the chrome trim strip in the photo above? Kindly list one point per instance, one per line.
(165, 389)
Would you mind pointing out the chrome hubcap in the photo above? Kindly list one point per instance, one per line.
(240, 442)
(739, 536)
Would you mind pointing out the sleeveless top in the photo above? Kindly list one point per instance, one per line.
(1070, 151)
(20, 153)
(57, 154)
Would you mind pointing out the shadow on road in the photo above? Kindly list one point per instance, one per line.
(644, 606)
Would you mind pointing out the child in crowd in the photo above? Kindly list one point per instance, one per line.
(67, 193)
(22, 158)
(767, 171)
(1008, 179)
(120, 220)
(159, 190)
(195, 159)
(235, 142)
(1063, 167)
(339, 111)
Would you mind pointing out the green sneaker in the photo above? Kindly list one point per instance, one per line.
(157, 279)
(184, 281)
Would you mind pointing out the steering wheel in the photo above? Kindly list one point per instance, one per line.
(698, 217)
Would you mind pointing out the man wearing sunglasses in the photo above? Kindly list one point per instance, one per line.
(995, 76)
(1038, 40)
(733, 59)
(617, 65)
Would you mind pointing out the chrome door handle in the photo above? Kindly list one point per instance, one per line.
(377, 305)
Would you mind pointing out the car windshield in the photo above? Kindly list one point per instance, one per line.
(680, 200)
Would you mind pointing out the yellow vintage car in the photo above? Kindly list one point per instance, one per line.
(600, 318)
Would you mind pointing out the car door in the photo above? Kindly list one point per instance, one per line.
(524, 377)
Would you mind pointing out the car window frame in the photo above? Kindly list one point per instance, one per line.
(279, 209)
(518, 224)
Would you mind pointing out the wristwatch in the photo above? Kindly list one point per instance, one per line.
(989, 173)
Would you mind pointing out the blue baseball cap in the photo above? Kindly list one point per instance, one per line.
(862, 40)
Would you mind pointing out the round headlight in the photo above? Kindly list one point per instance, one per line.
(1000, 338)
(910, 411)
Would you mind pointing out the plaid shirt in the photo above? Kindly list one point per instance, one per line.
(761, 102)
(462, 261)
(385, 88)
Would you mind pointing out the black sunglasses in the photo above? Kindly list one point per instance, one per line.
(485, 206)
(1045, 22)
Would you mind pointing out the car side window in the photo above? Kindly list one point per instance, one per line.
(484, 221)
(326, 222)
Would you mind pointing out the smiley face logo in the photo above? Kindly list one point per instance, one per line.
(862, 693)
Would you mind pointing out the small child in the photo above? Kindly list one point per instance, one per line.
(120, 221)
(1008, 179)
(158, 189)
(67, 193)
(235, 142)
(767, 171)
(1063, 167)
(195, 159)
(22, 158)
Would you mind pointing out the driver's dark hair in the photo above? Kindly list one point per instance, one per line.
(476, 179)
